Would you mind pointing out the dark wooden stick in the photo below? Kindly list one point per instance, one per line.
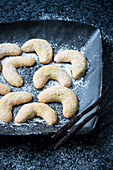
(63, 129)
(79, 126)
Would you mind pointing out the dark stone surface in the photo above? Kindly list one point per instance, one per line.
(93, 151)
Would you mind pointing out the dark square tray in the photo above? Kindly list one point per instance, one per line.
(61, 35)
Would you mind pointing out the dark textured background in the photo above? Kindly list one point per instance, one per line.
(93, 151)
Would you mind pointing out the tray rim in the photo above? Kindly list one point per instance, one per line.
(71, 21)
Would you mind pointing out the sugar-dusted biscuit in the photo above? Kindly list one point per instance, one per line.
(78, 61)
(8, 101)
(54, 72)
(4, 89)
(41, 47)
(7, 49)
(9, 70)
(42, 110)
(61, 94)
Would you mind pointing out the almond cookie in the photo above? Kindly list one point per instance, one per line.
(41, 47)
(54, 72)
(9, 100)
(61, 94)
(4, 89)
(42, 110)
(8, 49)
(9, 70)
(78, 61)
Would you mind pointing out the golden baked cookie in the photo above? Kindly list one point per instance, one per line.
(77, 59)
(9, 70)
(8, 101)
(54, 72)
(4, 89)
(61, 94)
(41, 47)
(42, 110)
(7, 49)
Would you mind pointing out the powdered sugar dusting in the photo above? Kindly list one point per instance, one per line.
(27, 75)
(80, 87)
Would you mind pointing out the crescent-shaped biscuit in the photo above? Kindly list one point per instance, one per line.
(9, 70)
(10, 100)
(7, 49)
(61, 94)
(42, 110)
(4, 89)
(54, 72)
(78, 61)
(41, 47)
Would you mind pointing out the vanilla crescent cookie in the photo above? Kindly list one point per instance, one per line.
(61, 94)
(41, 47)
(9, 70)
(7, 49)
(42, 110)
(10, 100)
(78, 61)
(54, 72)
(4, 89)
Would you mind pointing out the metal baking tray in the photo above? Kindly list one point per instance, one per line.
(61, 35)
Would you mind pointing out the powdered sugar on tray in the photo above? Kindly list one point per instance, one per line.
(27, 75)
(80, 86)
